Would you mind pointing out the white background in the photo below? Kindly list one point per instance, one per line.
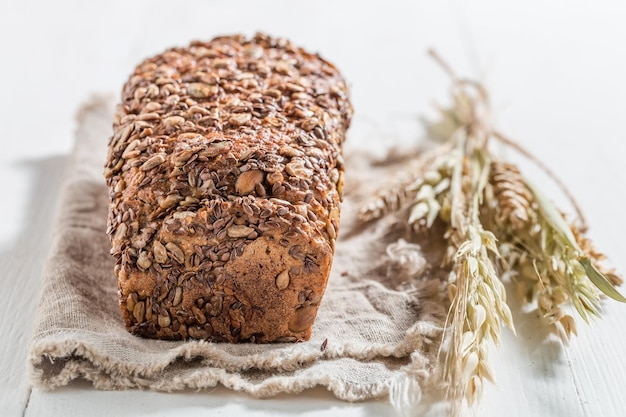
(557, 73)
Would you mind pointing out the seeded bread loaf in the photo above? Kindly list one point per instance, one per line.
(225, 176)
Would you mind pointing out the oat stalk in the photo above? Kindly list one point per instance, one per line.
(478, 299)
(563, 271)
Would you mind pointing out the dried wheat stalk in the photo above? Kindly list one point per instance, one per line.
(430, 170)
(498, 224)
(513, 198)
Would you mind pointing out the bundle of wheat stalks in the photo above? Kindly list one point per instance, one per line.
(497, 225)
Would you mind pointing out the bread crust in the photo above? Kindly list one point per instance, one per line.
(225, 177)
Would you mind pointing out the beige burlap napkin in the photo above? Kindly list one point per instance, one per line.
(378, 327)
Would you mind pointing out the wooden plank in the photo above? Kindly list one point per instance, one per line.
(81, 400)
(22, 265)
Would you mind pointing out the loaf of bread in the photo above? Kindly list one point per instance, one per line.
(225, 176)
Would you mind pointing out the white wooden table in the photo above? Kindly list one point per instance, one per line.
(556, 70)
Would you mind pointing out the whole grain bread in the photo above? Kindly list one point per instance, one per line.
(225, 176)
